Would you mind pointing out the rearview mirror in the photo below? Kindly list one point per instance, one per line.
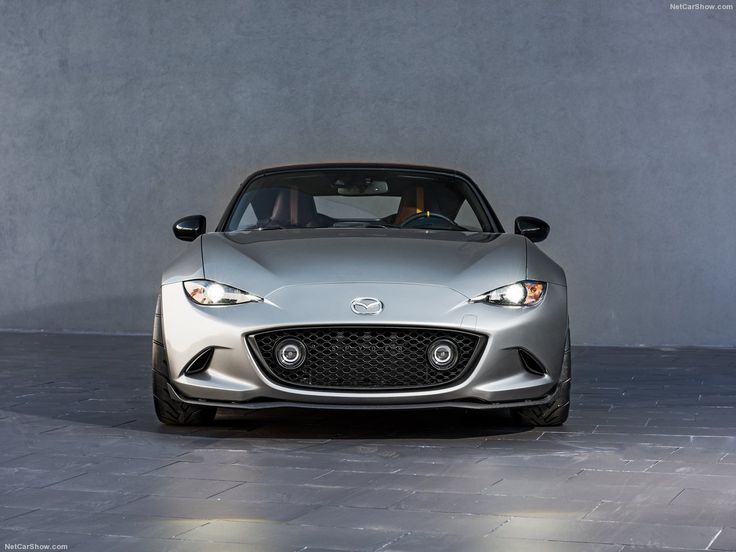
(188, 228)
(532, 228)
(367, 188)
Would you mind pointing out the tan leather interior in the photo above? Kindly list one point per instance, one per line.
(294, 208)
(412, 202)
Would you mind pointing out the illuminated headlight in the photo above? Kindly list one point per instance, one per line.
(207, 292)
(526, 293)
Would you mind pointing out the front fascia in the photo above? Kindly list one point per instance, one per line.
(235, 376)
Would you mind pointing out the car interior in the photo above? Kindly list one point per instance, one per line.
(365, 199)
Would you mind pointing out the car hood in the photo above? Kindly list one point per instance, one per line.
(261, 262)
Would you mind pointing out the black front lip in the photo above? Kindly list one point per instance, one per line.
(255, 405)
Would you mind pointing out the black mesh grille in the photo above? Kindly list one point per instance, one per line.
(366, 358)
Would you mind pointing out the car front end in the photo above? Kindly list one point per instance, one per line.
(362, 318)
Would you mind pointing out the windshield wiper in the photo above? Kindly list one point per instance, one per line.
(379, 225)
(264, 226)
(363, 224)
(457, 228)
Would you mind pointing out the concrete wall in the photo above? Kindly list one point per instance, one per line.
(615, 121)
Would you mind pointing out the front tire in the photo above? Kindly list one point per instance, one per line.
(556, 412)
(172, 412)
(168, 410)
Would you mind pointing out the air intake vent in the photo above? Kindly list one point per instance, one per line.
(531, 364)
(367, 358)
(200, 362)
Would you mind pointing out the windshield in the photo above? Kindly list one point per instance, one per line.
(358, 198)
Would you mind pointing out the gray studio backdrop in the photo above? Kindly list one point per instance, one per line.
(615, 121)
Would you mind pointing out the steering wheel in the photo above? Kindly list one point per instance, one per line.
(410, 222)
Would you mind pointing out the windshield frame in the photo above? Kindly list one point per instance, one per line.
(487, 217)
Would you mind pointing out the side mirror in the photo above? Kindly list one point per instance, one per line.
(530, 227)
(188, 228)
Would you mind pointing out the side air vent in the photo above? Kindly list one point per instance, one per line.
(531, 364)
(200, 362)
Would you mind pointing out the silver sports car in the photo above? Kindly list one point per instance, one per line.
(361, 286)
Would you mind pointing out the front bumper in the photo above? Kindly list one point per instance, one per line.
(259, 405)
(236, 379)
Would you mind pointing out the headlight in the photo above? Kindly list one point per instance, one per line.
(526, 293)
(207, 292)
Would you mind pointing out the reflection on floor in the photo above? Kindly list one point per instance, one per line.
(646, 462)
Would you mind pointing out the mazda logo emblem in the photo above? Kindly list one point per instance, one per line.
(366, 305)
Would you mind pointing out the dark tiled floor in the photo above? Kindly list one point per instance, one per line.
(647, 462)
